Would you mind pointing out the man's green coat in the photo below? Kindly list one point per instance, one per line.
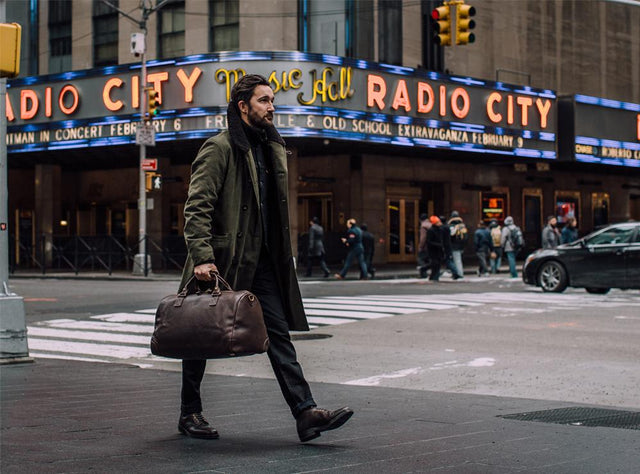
(222, 216)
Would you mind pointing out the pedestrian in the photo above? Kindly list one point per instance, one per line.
(446, 245)
(509, 244)
(315, 253)
(353, 241)
(496, 237)
(435, 247)
(570, 231)
(550, 234)
(369, 244)
(484, 246)
(237, 224)
(459, 238)
(423, 255)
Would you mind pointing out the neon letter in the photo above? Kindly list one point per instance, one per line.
(27, 112)
(188, 82)
(401, 98)
(106, 94)
(76, 99)
(443, 101)
(525, 103)
(544, 107)
(11, 116)
(158, 78)
(425, 88)
(376, 90)
(509, 109)
(135, 92)
(494, 116)
(459, 92)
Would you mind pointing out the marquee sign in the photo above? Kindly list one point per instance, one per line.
(601, 131)
(316, 96)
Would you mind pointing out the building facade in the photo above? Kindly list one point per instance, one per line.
(539, 116)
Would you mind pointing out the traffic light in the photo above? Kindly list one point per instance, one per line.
(153, 181)
(152, 103)
(442, 25)
(10, 34)
(464, 24)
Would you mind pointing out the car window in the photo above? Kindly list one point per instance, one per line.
(615, 235)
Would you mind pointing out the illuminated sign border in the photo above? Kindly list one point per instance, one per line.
(602, 150)
(488, 133)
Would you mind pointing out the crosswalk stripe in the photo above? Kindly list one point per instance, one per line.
(84, 348)
(348, 314)
(359, 306)
(328, 321)
(127, 318)
(93, 336)
(99, 326)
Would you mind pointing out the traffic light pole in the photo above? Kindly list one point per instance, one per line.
(141, 262)
(13, 330)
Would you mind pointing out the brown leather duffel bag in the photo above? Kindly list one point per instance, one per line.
(212, 324)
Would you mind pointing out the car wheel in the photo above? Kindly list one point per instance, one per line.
(598, 291)
(552, 277)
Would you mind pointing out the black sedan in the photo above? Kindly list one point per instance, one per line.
(605, 259)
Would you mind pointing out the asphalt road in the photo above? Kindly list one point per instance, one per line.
(492, 336)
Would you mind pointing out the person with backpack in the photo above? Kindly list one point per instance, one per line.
(496, 255)
(459, 237)
(512, 242)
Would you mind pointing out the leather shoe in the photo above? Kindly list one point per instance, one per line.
(195, 426)
(313, 421)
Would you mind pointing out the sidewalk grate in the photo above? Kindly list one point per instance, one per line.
(582, 416)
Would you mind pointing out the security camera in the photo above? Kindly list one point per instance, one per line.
(137, 44)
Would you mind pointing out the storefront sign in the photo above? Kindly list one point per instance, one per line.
(604, 131)
(316, 96)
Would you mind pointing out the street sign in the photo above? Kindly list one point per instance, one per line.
(146, 135)
(150, 164)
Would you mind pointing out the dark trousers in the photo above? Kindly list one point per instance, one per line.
(318, 259)
(356, 252)
(282, 354)
(435, 268)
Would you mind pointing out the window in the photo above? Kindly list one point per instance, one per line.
(614, 235)
(59, 36)
(105, 33)
(390, 31)
(171, 30)
(224, 25)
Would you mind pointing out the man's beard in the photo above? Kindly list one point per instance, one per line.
(257, 121)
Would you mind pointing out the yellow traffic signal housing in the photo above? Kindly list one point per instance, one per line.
(464, 24)
(442, 25)
(152, 103)
(10, 35)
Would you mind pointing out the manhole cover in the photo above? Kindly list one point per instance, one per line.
(582, 416)
(309, 337)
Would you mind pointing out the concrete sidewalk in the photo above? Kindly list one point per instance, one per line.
(66, 416)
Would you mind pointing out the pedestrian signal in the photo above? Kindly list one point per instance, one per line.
(442, 25)
(153, 181)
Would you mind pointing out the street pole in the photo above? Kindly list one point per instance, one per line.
(13, 330)
(142, 264)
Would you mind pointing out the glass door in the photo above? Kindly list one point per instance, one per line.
(402, 227)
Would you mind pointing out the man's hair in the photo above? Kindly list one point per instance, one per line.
(549, 218)
(351, 221)
(315, 220)
(243, 89)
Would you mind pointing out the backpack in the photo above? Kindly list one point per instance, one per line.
(496, 236)
(459, 233)
(516, 238)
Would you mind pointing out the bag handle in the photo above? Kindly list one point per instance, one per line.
(191, 286)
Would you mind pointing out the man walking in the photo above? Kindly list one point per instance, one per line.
(369, 245)
(446, 246)
(509, 244)
(459, 237)
(550, 234)
(423, 256)
(237, 224)
(353, 240)
(435, 247)
(316, 247)
(483, 245)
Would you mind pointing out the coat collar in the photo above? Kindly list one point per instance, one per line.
(238, 136)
